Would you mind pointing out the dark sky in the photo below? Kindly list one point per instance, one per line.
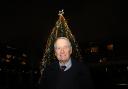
(29, 22)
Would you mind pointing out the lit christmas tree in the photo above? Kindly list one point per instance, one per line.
(60, 29)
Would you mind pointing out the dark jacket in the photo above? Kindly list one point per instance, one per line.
(77, 77)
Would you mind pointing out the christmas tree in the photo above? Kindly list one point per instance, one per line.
(60, 29)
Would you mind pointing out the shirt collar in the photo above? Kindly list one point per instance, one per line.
(68, 64)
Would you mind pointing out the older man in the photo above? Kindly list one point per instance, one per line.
(65, 73)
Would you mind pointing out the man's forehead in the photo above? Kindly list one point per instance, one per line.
(62, 41)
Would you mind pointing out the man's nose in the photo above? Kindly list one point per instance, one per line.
(62, 50)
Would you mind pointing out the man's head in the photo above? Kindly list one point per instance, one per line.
(63, 49)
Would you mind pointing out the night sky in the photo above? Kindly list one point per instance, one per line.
(28, 23)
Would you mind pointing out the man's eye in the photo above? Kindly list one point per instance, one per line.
(65, 47)
(58, 48)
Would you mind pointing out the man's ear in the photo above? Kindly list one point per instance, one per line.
(71, 50)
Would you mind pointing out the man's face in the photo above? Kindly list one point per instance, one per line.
(63, 50)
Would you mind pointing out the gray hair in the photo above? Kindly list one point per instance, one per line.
(64, 39)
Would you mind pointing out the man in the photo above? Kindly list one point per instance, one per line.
(73, 75)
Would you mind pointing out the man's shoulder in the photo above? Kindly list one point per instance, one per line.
(77, 62)
(80, 65)
(52, 65)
